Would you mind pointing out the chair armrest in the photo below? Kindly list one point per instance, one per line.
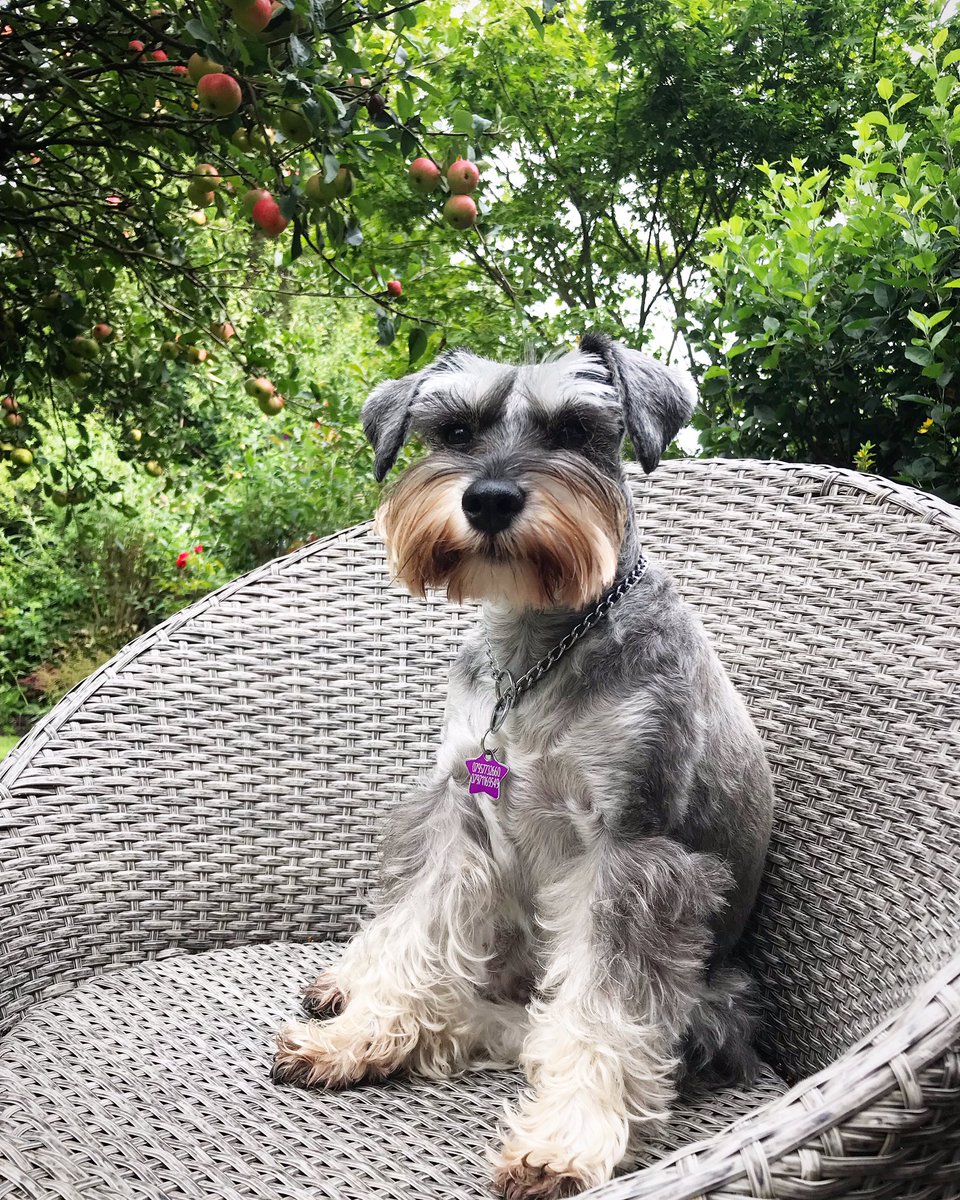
(888, 1109)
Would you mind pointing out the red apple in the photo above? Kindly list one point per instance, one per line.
(199, 194)
(255, 16)
(158, 55)
(395, 287)
(135, 46)
(462, 177)
(340, 185)
(266, 213)
(251, 197)
(102, 332)
(198, 66)
(219, 94)
(196, 354)
(295, 125)
(423, 174)
(84, 347)
(10, 403)
(179, 70)
(14, 419)
(222, 330)
(460, 212)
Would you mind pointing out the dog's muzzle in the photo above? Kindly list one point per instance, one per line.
(490, 505)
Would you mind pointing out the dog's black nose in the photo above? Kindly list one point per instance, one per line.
(491, 504)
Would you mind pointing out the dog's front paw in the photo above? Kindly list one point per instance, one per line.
(324, 997)
(337, 1053)
(517, 1178)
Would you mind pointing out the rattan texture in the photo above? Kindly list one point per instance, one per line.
(216, 790)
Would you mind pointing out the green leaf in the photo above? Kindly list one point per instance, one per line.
(535, 21)
(416, 345)
(300, 53)
(197, 30)
(386, 329)
(921, 355)
(906, 98)
(335, 227)
(462, 121)
(885, 88)
(348, 57)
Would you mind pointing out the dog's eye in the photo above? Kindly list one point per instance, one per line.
(569, 434)
(457, 435)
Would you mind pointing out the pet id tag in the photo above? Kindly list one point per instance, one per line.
(486, 775)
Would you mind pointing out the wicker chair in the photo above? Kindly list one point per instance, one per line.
(189, 834)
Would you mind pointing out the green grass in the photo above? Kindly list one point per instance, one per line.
(7, 743)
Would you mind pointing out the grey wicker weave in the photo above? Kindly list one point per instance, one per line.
(187, 836)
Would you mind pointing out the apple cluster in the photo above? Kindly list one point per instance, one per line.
(460, 209)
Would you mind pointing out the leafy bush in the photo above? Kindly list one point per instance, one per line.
(79, 580)
(831, 329)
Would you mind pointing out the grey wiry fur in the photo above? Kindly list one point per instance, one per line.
(579, 925)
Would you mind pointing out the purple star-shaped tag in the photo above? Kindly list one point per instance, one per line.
(486, 775)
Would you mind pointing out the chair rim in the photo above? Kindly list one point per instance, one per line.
(926, 1027)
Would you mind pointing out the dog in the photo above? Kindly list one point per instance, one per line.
(573, 908)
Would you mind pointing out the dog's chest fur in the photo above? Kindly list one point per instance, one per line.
(637, 732)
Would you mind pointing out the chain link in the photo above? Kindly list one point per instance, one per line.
(508, 696)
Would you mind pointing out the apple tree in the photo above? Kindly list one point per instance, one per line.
(171, 181)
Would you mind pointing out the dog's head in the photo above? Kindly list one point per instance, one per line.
(521, 499)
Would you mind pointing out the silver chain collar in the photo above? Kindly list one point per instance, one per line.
(509, 690)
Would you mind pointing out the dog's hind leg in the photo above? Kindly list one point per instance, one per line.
(406, 990)
(717, 1046)
(627, 940)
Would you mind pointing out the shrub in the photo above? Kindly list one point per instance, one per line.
(831, 329)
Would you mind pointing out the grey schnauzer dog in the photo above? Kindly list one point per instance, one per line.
(579, 922)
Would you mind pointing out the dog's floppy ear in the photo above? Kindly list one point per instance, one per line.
(657, 400)
(386, 420)
(387, 410)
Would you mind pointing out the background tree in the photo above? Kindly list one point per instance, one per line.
(629, 134)
(148, 288)
(134, 149)
(831, 318)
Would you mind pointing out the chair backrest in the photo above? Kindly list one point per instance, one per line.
(834, 600)
(221, 780)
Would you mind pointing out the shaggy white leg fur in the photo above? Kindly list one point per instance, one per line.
(407, 989)
(597, 1072)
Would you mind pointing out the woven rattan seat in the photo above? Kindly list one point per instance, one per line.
(187, 836)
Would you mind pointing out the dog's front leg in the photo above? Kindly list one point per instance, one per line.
(405, 992)
(627, 940)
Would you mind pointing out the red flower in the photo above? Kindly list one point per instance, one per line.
(198, 549)
(182, 559)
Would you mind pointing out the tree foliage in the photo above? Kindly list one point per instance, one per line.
(832, 322)
(629, 134)
(104, 221)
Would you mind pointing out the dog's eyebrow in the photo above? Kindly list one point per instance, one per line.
(456, 396)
